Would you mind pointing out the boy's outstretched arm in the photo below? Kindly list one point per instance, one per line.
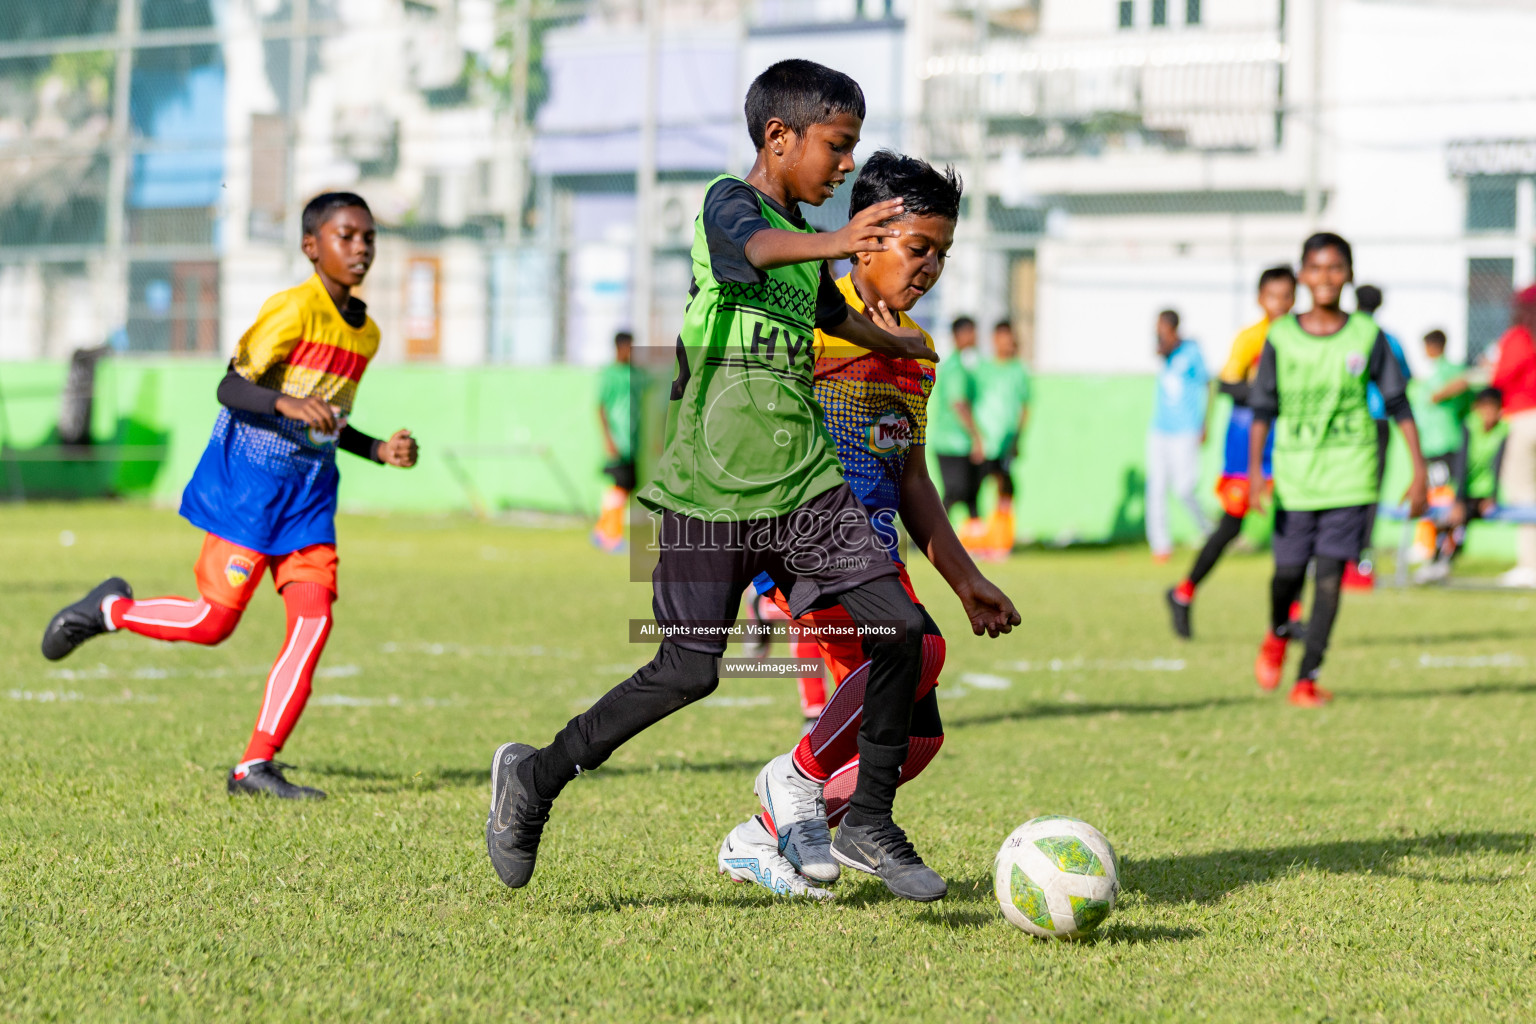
(895, 341)
(864, 232)
(400, 450)
(922, 513)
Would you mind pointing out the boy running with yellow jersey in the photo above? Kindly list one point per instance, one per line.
(265, 488)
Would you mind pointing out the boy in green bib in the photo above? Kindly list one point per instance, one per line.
(749, 482)
(1311, 388)
(1474, 469)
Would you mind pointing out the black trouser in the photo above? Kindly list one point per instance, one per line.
(677, 677)
(1000, 468)
(1286, 587)
(698, 580)
(1225, 533)
(962, 483)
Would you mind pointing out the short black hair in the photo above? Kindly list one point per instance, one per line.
(1283, 272)
(1368, 298)
(924, 190)
(960, 323)
(319, 209)
(800, 93)
(1435, 337)
(1328, 240)
(1002, 325)
(1489, 395)
(623, 338)
(1171, 316)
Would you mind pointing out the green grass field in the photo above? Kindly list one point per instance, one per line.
(1371, 861)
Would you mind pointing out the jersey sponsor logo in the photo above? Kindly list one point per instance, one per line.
(889, 433)
(325, 439)
(1354, 363)
(238, 570)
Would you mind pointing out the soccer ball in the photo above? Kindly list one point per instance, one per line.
(1056, 877)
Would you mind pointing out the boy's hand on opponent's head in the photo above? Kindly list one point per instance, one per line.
(864, 231)
(400, 450)
(316, 412)
(987, 607)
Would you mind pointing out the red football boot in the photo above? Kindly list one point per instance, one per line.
(1267, 666)
(1359, 576)
(1307, 694)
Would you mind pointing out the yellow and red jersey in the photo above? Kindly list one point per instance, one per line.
(301, 346)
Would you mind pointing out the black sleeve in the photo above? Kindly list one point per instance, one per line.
(1388, 375)
(1498, 466)
(1238, 392)
(731, 216)
(831, 307)
(1460, 466)
(1264, 392)
(358, 443)
(235, 392)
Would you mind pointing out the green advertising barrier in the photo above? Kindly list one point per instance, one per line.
(496, 438)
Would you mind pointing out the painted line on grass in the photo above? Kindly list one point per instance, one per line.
(1100, 664)
(1503, 659)
(478, 650)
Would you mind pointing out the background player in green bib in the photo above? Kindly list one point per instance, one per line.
(1474, 471)
(1002, 412)
(616, 418)
(1311, 388)
(749, 482)
(952, 432)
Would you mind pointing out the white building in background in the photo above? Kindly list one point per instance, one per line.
(1121, 156)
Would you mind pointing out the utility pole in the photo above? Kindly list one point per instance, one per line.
(517, 186)
(1312, 202)
(642, 278)
(977, 185)
(298, 62)
(119, 158)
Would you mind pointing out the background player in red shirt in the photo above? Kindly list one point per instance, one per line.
(265, 488)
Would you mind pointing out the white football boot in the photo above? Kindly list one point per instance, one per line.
(750, 853)
(798, 813)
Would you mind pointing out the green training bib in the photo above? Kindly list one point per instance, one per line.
(1325, 438)
(1482, 449)
(746, 436)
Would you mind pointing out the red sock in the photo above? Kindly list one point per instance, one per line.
(288, 686)
(1184, 593)
(813, 689)
(839, 788)
(834, 740)
(174, 618)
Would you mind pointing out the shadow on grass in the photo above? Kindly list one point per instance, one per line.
(1430, 639)
(376, 781)
(744, 764)
(1057, 709)
(1207, 877)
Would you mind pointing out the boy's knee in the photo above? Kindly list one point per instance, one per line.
(220, 624)
(691, 675)
(933, 663)
(1330, 575)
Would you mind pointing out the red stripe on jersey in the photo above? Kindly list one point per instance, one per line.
(316, 355)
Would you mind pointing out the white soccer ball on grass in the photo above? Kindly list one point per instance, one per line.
(1056, 877)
